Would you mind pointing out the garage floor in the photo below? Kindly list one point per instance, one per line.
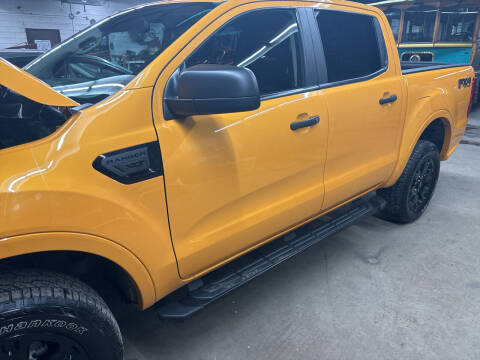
(374, 291)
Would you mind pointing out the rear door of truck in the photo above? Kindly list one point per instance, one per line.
(364, 93)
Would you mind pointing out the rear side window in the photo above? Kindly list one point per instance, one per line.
(265, 41)
(353, 44)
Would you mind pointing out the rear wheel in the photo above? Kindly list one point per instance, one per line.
(50, 316)
(411, 194)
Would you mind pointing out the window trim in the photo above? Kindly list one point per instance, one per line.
(288, 92)
(322, 63)
(354, 80)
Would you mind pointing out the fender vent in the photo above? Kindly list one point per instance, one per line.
(131, 165)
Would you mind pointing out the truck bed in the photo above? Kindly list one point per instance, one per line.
(416, 67)
(445, 87)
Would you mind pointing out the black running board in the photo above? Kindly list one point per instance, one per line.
(220, 282)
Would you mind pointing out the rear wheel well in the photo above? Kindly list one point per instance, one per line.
(435, 132)
(98, 272)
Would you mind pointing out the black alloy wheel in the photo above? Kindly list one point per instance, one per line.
(408, 198)
(42, 346)
(422, 185)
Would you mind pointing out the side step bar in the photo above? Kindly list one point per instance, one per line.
(222, 281)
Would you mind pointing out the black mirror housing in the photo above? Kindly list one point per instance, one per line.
(214, 89)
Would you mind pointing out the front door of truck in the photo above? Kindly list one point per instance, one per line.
(235, 180)
(364, 98)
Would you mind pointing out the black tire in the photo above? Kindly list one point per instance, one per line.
(411, 194)
(48, 316)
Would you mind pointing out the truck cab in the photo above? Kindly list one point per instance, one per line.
(226, 127)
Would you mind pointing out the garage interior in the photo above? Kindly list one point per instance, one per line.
(376, 290)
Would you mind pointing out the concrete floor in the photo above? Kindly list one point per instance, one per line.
(374, 291)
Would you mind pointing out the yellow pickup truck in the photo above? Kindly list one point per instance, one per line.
(176, 150)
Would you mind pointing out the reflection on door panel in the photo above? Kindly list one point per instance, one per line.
(260, 172)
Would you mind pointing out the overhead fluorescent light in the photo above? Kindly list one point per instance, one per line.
(388, 2)
(85, 2)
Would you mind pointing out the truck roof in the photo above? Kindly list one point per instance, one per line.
(241, 2)
(422, 2)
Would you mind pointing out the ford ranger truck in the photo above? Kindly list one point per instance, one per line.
(176, 150)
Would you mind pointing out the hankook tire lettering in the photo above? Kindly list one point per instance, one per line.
(21, 325)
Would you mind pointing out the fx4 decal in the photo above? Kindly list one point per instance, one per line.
(464, 82)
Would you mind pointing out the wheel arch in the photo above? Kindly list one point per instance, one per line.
(53, 251)
(438, 128)
(439, 132)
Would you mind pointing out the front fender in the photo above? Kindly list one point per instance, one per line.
(67, 241)
(107, 222)
(51, 186)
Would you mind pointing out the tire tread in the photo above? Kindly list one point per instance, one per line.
(25, 291)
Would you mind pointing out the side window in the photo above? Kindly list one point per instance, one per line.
(351, 44)
(265, 41)
(457, 24)
(393, 16)
(419, 24)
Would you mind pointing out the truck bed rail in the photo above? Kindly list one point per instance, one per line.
(416, 67)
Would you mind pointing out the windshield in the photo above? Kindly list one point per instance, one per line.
(102, 59)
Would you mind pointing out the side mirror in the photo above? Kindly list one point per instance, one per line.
(213, 89)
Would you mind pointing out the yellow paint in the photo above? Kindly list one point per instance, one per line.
(232, 181)
(31, 87)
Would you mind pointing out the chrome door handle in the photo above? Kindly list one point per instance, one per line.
(314, 120)
(387, 100)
